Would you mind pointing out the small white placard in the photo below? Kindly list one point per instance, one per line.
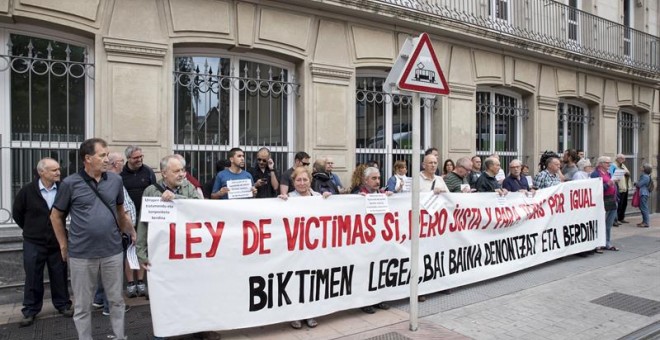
(407, 184)
(618, 174)
(465, 188)
(131, 256)
(376, 203)
(530, 181)
(156, 210)
(500, 176)
(239, 188)
(430, 202)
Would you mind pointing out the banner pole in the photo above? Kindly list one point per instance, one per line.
(414, 246)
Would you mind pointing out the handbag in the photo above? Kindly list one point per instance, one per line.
(636, 198)
(610, 202)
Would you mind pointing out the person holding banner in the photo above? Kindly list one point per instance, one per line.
(322, 182)
(302, 188)
(300, 159)
(584, 169)
(475, 173)
(234, 182)
(396, 182)
(550, 175)
(515, 182)
(429, 181)
(172, 186)
(357, 178)
(609, 197)
(487, 182)
(458, 179)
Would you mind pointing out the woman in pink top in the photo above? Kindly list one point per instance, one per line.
(609, 197)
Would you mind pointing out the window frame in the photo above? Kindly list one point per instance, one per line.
(637, 125)
(6, 144)
(234, 95)
(388, 151)
(492, 127)
(587, 117)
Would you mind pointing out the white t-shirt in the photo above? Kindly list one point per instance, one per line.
(429, 184)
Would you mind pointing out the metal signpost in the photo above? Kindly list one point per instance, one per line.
(417, 71)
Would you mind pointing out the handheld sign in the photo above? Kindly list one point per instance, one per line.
(422, 72)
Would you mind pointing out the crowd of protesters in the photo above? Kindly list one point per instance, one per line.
(109, 188)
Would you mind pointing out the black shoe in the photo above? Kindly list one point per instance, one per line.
(66, 312)
(27, 321)
(368, 310)
(383, 306)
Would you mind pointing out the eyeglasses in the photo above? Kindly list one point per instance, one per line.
(262, 160)
(138, 157)
(514, 167)
(331, 163)
(305, 163)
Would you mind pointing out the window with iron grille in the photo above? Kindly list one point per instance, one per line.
(573, 123)
(628, 139)
(384, 124)
(221, 102)
(499, 118)
(45, 98)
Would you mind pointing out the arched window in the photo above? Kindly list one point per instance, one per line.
(46, 100)
(223, 100)
(499, 116)
(628, 138)
(383, 123)
(573, 122)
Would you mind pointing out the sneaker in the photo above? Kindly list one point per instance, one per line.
(383, 306)
(107, 313)
(368, 310)
(141, 289)
(131, 291)
(97, 305)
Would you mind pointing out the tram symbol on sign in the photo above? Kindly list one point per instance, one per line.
(423, 75)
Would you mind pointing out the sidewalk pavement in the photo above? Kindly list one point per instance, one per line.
(563, 299)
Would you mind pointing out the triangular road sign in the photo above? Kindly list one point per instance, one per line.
(422, 72)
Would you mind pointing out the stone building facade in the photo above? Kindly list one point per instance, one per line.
(199, 77)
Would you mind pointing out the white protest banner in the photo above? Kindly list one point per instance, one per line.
(156, 210)
(238, 266)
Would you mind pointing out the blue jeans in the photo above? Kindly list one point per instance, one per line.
(610, 217)
(644, 208)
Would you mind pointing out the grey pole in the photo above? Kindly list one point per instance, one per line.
(414, 238)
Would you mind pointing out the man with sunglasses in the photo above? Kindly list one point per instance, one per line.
(301, 159)
(264, 175)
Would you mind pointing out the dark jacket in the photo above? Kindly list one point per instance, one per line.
(136, 181)
(322, 182)
(31, 213)
(487, 183)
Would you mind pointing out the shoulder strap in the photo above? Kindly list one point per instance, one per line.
(433, 185)
(102, 201)
(159, 187)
